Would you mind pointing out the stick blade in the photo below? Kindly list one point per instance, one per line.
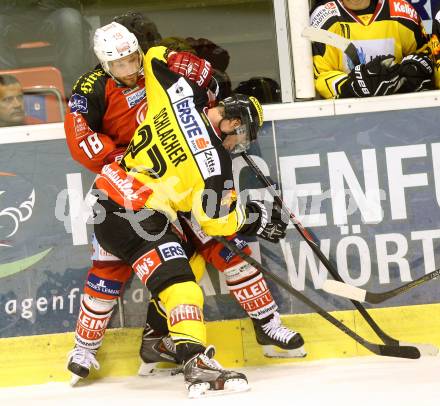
(326, 37)
(344, 290)
(426, 350)
(401, 351)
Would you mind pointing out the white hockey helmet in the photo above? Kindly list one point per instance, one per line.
(112, 42)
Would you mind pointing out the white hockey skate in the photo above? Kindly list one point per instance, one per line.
(158, 354)
(80, 360)
(277, 340)
(204, 376)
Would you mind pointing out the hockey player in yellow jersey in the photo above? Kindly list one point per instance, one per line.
(391, 45)
(435, 43)
(179, 161)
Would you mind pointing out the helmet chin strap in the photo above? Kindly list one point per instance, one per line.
(222, 134)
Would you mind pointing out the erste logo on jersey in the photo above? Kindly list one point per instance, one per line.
(135, 98)
(192, 125)
(402, 9)
(171, 250)
(323, 13)
(209, 163)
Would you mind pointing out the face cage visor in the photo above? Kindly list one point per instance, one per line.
(125, 66)
(243, 140)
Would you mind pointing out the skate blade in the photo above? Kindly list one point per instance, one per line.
(74, 379)
(202, 390)
(271, 351)
(159, 369)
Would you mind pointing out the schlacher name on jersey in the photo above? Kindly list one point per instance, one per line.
(323, 13)
(168, 138)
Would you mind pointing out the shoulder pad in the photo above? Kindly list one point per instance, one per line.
(322, 15)
(402, 9)
(87, 82)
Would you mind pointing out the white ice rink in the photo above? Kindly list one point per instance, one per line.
(372, 381)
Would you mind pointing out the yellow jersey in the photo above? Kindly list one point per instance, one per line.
(387, 27)
(175, 161)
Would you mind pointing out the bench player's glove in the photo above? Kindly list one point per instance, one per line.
(416, 71)
(378, 77)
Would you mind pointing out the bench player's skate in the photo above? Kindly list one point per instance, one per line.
(204, 376)
(157, 348)
(270, 334)
(80, 360)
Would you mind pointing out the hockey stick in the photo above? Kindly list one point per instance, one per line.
(405, 351)
(426, 348)
(330, 38)
(362, 295)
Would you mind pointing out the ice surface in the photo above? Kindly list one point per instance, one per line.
(345, 382)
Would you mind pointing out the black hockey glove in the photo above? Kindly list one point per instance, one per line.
(268, 223)
(378, 77)
(416, 73)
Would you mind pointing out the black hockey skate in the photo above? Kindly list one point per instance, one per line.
(272, 334)
(157, 348)
(80, 360)
(204, 376)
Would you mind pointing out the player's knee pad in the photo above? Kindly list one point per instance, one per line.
(198, 266)
(184, 305)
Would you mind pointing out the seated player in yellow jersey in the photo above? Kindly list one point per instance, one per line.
(391, 44)
(435, 43)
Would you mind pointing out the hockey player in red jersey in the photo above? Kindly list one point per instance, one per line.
(105, 110)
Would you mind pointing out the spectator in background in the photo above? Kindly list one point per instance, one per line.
(391, 45)
(58, 22)
(12, 103)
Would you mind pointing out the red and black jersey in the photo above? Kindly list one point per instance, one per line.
(103, 115)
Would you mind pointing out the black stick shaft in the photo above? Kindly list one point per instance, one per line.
(312, 244)
(375, 298)
(385, 350)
